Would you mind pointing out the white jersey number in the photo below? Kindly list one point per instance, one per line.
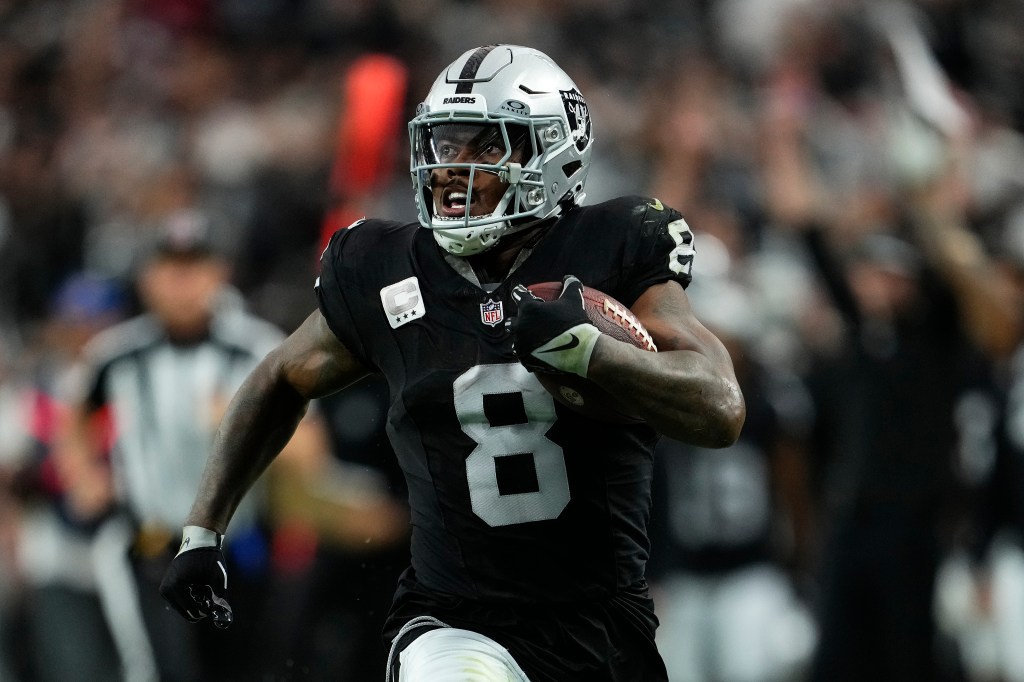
(680, 259)
(526, 438)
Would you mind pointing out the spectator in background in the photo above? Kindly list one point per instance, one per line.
(65, 634)
(999, 552)
(729, 530)
(981, 595)
(890, 247)
(887, 465)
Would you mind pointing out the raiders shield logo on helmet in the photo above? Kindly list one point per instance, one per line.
(578, 113)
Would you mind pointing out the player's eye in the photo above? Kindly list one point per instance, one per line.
(491, 153)
(447, 151)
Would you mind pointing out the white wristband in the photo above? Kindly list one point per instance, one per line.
(194, 537)
(570, 351)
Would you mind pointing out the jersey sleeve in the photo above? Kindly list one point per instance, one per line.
(338, 281)
(659, 247)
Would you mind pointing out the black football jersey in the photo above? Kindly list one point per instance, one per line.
(513, 496)
(715, 510)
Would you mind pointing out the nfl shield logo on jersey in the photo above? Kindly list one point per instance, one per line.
(492, 312)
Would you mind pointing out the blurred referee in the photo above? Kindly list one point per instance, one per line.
(157, 387)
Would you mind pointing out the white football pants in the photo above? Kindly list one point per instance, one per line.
(455, 655)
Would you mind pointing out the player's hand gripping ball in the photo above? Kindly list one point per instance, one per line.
(556, 328)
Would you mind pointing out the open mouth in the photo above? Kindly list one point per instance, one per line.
(454, 203)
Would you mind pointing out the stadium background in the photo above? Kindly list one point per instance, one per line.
(276, 122)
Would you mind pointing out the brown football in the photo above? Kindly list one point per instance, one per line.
(612, 318)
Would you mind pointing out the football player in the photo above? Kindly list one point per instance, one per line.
(529, 520)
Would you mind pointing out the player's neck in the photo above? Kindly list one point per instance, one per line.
(495, 264)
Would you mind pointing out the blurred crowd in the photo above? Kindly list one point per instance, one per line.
(853, 171)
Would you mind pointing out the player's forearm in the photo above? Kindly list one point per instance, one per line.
(259, 422)
(683, 394)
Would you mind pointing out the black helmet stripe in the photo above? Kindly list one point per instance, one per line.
(470, 68)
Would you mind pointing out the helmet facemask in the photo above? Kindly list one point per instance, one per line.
(463, 147)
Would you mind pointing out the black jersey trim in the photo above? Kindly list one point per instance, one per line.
(470, 69)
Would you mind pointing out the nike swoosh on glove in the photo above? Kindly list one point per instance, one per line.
(196, 582)
(553, 336)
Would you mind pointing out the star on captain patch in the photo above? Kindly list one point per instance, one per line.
(492, 312)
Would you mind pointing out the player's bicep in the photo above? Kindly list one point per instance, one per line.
(664, 309)
(315, 362)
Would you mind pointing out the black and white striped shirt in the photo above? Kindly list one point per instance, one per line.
(166, 401)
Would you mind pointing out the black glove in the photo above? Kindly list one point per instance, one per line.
(196, 582)
(553, 336)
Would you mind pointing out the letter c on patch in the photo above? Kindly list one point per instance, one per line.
(402, 302)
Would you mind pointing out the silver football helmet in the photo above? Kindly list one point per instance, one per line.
(506, 110)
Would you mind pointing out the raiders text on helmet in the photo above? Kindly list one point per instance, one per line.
(532, 127)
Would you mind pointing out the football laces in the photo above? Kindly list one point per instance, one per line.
(628, 321)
